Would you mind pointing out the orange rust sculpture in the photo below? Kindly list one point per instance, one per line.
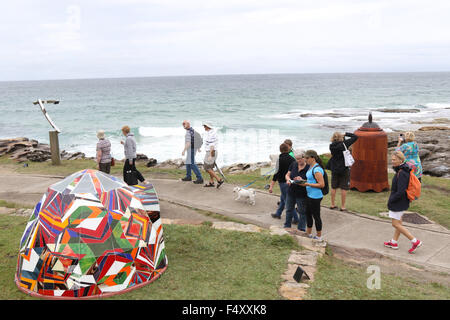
(369, 172)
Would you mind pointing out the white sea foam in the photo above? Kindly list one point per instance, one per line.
(159, 132)
(437, 105)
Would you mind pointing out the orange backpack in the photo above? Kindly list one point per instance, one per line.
(414, 187)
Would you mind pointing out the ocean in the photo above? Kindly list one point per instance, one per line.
(252, 114)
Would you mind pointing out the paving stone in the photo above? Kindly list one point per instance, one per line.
(292, 291)
(310, 244)
(182, 221)
(236, 226)
(274, 230)
(305, 258)
(4, 210)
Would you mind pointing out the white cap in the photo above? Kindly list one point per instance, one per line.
(206, 123)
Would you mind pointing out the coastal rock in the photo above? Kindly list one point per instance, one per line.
(430, 128)
(76, 156)
(23, 149)
(388, 110)
(245, 167)
(151, 162)
(141, 157)
(12, 145)
(433, 121)
(171, 164)
(434, 150)
(327, 115)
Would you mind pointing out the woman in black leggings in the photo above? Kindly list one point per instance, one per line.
(314, 184)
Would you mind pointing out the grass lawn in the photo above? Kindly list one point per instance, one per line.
(207, 264)
(204, 263)
(338, 280)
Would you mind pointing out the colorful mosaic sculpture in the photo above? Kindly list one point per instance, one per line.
(91, 235)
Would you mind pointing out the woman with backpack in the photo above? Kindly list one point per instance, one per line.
(340, 174)
(315, 181)
(399, 202)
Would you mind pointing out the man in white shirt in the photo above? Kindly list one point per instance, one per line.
(211, 143)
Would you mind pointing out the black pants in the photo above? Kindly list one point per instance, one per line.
(313, 213)
(105, 167)
(127, 166)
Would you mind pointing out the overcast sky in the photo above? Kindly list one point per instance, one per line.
(47, 39)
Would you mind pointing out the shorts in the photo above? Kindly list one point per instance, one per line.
(340, 180)
(397, 215)
(208, 164)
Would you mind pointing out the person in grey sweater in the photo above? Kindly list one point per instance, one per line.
(129, 147)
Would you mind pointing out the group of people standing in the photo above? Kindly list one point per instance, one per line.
(301, 178)
(104, 158)
(300, 175)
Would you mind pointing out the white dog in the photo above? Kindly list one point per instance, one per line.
(245, 193)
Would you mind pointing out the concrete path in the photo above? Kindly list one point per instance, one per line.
(339, 228)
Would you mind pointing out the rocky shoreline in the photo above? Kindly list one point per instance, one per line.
(433, 144)
(24, 149)
(434, 149)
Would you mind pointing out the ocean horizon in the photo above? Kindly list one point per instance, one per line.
(252, 114)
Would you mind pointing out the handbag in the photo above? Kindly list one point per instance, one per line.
(348, 158)
(130, 177)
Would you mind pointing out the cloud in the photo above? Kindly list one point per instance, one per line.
(149, 37)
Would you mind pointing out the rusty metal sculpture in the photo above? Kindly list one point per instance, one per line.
(369, 172)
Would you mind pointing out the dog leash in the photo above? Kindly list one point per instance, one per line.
(267, 174)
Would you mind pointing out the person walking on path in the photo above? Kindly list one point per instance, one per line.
(129, 167)
(398, 202)
(296, 194)
(340, 174)
(190, 148)
(284, 162)
(314, 184)
(103, 152)
(410, 149)
(211, 143)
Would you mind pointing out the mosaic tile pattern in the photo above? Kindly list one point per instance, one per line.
(91, 235)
